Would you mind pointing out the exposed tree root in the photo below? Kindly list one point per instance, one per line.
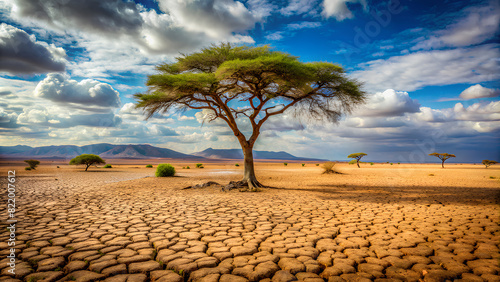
(242, 185)
(251, 185)
(204, 185)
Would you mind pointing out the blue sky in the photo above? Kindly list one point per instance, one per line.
(431, 69)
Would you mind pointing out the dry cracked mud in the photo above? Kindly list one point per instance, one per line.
(120, 226)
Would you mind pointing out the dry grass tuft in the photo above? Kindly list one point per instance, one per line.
(329, 168)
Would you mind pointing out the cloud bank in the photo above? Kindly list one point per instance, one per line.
(21, 53)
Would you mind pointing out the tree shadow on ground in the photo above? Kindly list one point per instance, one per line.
(415, 195)
(107, 170)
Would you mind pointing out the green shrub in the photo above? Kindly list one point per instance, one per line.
(27, 168)
(57, 166)
(371, 163)
(164, 170)
(492, 177)
(199, 165)
(183, 167)
(108, 166)
(431, 174)
(187, 167)
(317, 164)
(399, 163)
(32, 163)
(285, 164)
(303, 164)
(149, 166)
(353, 162)
(391, 163)
(237, 165)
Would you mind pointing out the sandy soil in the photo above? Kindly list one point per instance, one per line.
(401, 222)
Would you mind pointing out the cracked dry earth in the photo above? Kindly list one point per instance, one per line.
(119, 226)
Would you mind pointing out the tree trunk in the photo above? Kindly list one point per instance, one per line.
(442, 164)
(249, 173)
(87, 167)
(357, 162)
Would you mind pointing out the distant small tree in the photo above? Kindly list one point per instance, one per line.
(487, 163)
(357, 157)
(443, 157)
(87, 159)
(32, 163)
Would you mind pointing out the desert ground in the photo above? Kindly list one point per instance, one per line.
(407, 222)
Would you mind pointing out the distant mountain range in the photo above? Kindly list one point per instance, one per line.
(104, 150)
(143, 151)
(238, 154)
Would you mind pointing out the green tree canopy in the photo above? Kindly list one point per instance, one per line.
(255, 83)
(32, 163)
(487, 163)
(357, 157)
(443, 157)
(87, 159)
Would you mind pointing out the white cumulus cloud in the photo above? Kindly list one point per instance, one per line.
(216, 17)
(339, 10)
(478, 91)
(62, 89)
(389, 103)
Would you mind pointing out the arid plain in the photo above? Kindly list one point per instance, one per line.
(407, 222)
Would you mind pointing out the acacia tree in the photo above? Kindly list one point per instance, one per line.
(255, 83)
(487, 163)
(32, 163)
(357, 157)
(443, 157)
(87, 159)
